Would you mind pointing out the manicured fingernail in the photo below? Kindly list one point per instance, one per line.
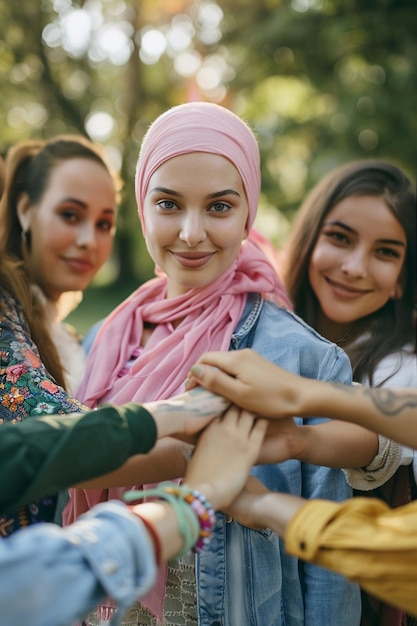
(197, 370)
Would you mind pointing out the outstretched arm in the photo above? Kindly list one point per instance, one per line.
(69, 561)
(258, 385)
(361, 538)
(181, 417)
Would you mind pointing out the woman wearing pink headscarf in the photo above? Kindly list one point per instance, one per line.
(197, 189)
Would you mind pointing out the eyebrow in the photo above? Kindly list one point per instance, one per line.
(216, 194)
(82, 204)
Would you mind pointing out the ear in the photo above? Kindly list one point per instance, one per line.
(23, 211)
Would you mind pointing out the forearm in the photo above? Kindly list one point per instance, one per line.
(347, 537)
(275, 511)
(337, 444)
(38, 454)
(331, 443)
(187, 413)
(69, 564)
(392, 413)
(166, 461)
(164, 520)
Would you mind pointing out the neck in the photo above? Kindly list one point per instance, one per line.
(59, 305)
(340, 334)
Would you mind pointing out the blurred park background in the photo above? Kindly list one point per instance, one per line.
(321, 82)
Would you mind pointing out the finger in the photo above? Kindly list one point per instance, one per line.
(243, 421)
(225, 361)
(260, 427)
(191, 382)
(215, 380)
(232, 416)
(258, 435)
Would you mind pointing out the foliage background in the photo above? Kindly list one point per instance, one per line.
(320, 81)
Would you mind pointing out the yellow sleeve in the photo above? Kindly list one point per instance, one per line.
(364, 540)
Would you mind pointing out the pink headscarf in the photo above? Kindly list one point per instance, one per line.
(200, 127)
(209, 314)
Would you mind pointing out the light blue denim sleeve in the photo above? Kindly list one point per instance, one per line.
(88, 340)
(52, 576)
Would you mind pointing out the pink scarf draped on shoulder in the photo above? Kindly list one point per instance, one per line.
(208, 315)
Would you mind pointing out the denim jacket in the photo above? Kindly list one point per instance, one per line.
(244, 577)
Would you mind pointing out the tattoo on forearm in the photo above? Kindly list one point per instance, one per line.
(198, 402)
(388, 401)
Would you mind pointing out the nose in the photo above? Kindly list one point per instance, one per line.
(86, 235)
(355, 264)
(192, 230)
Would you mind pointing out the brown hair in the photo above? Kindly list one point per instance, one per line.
(14, 279)
(391, 327)
(28, 169)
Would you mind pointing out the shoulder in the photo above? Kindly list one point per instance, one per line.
(285, 323)
(10, 307)
(282, 337)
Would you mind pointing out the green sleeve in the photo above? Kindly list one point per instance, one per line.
(43, 455)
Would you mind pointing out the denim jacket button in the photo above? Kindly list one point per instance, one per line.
(216, 623)
(229, 520)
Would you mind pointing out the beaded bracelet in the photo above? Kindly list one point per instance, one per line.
(195, 515)
(201, 507)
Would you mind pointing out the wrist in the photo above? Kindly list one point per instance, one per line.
(152, 532)
(308, 398)
(193, 512)
(168, 416)
(206, 489)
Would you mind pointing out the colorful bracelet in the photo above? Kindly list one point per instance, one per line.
(201, 507)
(195, 515)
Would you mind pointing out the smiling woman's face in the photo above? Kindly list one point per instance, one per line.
(195, 212)
(356, 264)
(72, 227)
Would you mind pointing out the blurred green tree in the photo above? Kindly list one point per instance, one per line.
(325, 81)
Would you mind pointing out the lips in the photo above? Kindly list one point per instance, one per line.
(192, 260)
(345, 291)
(79, 265)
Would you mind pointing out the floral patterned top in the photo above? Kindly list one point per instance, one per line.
(26, 389)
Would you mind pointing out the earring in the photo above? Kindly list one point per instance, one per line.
(25, 237)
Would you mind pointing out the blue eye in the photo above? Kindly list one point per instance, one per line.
(219, 207)
(167, 205)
